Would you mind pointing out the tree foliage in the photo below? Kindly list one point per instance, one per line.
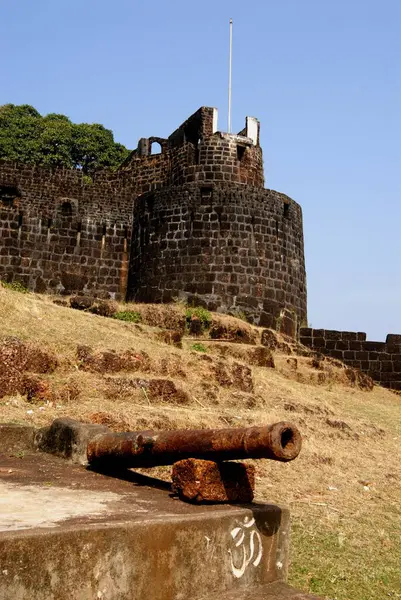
(27, 137)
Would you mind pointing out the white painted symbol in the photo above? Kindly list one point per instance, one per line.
(248, 548)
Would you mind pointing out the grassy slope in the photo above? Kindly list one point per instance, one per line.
(344, 490)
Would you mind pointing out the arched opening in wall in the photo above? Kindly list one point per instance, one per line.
(240, 152)
(66, 209)
(8, 194)
(191, 135)
(155, 148)
(286, 210)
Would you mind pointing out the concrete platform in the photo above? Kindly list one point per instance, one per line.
(69, 533)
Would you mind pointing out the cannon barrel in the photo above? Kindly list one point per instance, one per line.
(280, 441)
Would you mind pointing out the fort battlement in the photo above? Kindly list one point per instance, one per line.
(197, 152)
(192, 221)
(379, 360)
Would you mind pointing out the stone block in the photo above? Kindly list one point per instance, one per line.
(68, 438)
(342, 345)
(374, 346)
(349, 335)
(318, 333)
(393, 348)
(15, 438)
(306, 341)
(331, 334)
(393, 338)
(200, 481)
(337, 354)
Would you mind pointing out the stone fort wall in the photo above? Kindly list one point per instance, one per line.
(61, 235)
(380, 360)
(194, 217)
(233, 248)
(192, 221)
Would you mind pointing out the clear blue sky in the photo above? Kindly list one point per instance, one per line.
(323, 77)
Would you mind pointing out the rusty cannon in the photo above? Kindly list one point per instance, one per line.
(279, 441)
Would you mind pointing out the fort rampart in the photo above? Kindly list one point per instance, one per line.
(192, 221)
(234, 248)
(380, 360)
(60, 234)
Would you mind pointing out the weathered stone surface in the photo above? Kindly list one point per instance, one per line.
(269, 339)
(234, 375)
(110, 361)
(68, 438)
(221, 246)
(368, 361)
(274, 591)
(200, 481)
(81, 302)
(104, 308)
(240, 333)
(16, 438)
(16, 359)
(259, 356)
(171, 337)
(122, 541)
(163, 390)
(35, 388)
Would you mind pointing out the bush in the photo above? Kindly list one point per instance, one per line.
(130, 316)
(15, 286)
(199, 348)
(200, 313)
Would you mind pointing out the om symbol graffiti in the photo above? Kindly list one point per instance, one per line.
(248, 549)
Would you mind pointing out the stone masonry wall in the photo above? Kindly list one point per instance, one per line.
(195, 219)
(50, 247)
(380, 360)
(230, 247)
(220, 158)
(59, 234)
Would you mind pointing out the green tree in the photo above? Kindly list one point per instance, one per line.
(20, 128)
(56, 141)
(94, 147)
(27, 137)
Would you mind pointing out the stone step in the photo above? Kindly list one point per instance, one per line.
(67, 533)
(274, 591)
(75, 534)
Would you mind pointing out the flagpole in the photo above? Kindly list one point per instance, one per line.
(230, 76)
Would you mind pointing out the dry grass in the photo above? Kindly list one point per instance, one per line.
(344, 490)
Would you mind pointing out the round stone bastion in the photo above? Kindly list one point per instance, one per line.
(228, 247)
